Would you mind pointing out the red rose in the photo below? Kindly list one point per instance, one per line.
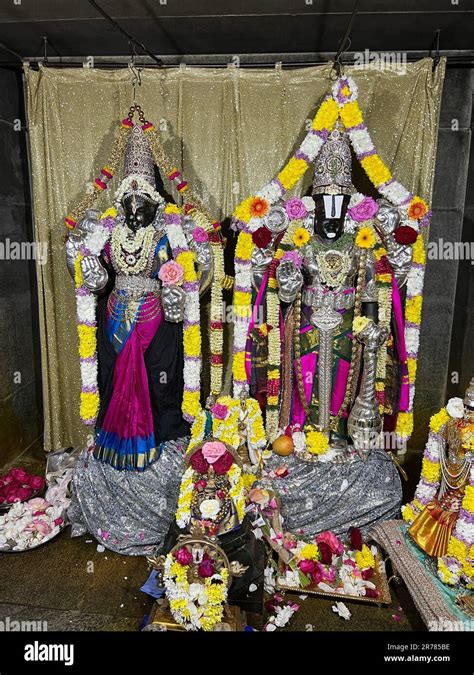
(206, 569)
(356, 538)
(326, 553)
(371, 593)
(367, 574)
(405, 235)
(24, 493)
(199, 463)
(224, 463)
(262, 237)
(19, 475)
(36, 482)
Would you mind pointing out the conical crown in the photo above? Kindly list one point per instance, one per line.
(333, 169)
(138, 156)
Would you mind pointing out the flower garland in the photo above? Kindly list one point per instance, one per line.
(383, 280)
(196, 606)
(192, 320)
(458, 563)
(86, 306)
(247, 216)
(431, 468)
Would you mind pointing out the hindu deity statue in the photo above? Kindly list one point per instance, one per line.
(441, 515)
(325, 351)
(143, 270)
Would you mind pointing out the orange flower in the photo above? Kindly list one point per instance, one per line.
(259, 207)
(418, 208)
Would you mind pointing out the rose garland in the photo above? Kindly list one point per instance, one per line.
(194, 606)
(86, 306)
(341, 105)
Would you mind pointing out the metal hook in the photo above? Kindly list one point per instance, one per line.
(136, 72)
(435, 44)
(338, 67)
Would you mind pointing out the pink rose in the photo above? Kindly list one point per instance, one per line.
(259, 496)
(332, 541)
(36, 482)
(295, 209)
(183, 556)
(328, 574)
(38, 504)
(19, 475)
(220, 411)
(364, 210)
(12, 496)
(308, 566)
(212, 450)
(200, 235)
(171, 273)
(40, 526)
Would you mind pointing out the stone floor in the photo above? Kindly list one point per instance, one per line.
(71, 585)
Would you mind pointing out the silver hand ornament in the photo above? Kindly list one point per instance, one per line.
(173, 299)
(290, 280)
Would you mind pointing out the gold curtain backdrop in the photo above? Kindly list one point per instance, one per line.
(229, 131)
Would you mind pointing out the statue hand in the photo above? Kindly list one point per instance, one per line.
(93, 272)
(289, 280)
(373, 335)
(173, 299)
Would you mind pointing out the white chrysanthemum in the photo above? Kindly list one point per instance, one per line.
(271, 192)
(361, 141)
(240, 333)
(455, 407)
(311, 146)
(191, 372)
(86, 306)
(89, 373)
(464, 530)
(415, 281)
(395, 192)
(412, 338)
(96, 240)
(192, 312)
(244, 279)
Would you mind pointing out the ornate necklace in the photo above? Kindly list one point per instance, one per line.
(333, 266)
(131, 250)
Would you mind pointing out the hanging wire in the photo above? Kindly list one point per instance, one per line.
(345, 43)
(435, 45)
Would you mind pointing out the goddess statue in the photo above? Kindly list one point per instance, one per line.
(441, 515)
(338, 272)
(127, 483)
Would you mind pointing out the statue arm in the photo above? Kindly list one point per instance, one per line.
(202, 250)
(94, 274)
(369, 295)
(290, 280)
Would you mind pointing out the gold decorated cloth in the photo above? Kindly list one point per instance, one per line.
(433, 527)
(229, 131)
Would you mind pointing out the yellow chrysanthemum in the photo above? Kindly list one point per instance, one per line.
(351, 115)
(468, 500)
(457, 549)
(430, 470)
(316, 442)
(412, 366)
(192, 340)
(413, 309)
(190, 405)
(300, 236)
(376, 169)
(404, 426)
(244, 247)
(110, 213)
(248, 479)
(186, 260)
(309, 552)
(418, 251)
(238, 367)
(87, 340)
(359, 323)
(172, 208)
(439, 420)
(78, 271)
(89, 405)
(326, 115)
(365, 238)
(292, 172)
(242, 211)
(365, 558)
(407, 513)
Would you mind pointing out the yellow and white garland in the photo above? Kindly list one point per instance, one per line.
(197, 606)
(343, 105)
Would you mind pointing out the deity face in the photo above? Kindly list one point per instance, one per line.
(139, 212)
(329, 215)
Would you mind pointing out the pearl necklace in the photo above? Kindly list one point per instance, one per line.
(131, 250)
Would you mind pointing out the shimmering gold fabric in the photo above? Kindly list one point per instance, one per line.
(228, 130)
(432, 529)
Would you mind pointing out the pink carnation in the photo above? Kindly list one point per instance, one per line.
(200, 235)
(183, 556)
(295, 258)
(219, 410)
(171, 273)
(364, 210)
(36, 482)
(295, 209)
(19, 475)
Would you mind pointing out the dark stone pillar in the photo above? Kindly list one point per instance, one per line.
(20, 377)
